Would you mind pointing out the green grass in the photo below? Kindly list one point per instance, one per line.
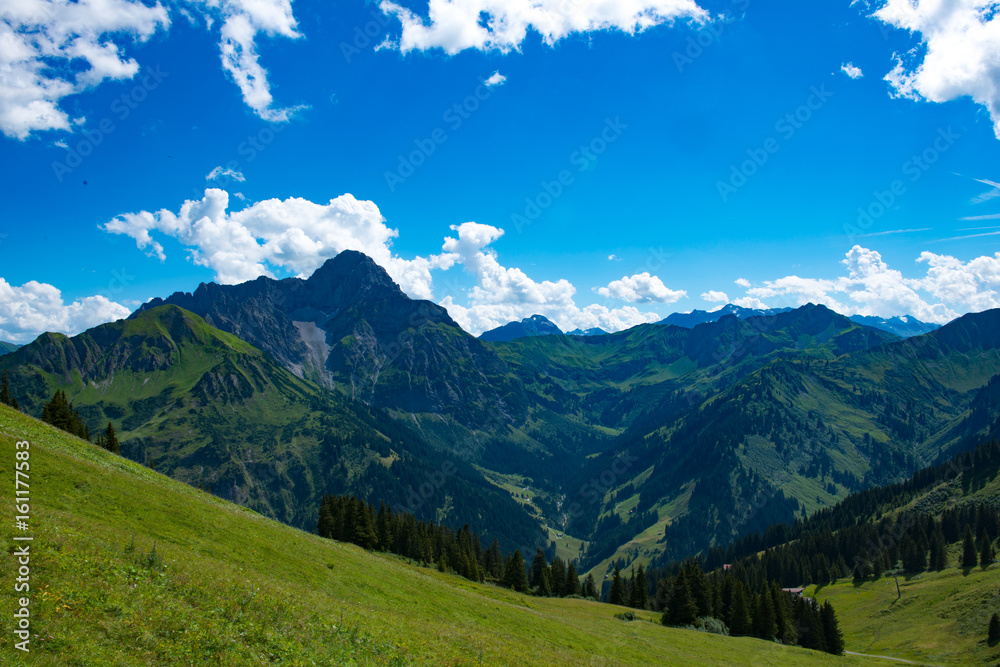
(941, 617)
(226, 586)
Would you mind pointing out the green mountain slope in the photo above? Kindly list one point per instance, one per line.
(793, 436)
(131, 567)
(209, 409)
(940, 613)
(6, 347)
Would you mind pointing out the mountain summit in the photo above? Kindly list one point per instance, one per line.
(536, 325)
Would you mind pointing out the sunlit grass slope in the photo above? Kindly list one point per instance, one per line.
(129, 567)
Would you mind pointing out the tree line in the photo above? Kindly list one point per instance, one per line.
(687, 598)
(59, 412)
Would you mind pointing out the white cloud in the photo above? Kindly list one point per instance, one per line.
(502, 25)
(713, 296)
(949, 288)
(850, 70)
(994, 191)
(742, 282)
(51, 49)
(614, 258)
(503, 294)
(295, 234)
(219, 172)
(39, 39)
(641, 288)
(750, 302)
(33, 308)
(961, 54)
(496, 79)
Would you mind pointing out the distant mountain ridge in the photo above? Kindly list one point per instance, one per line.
(536, 325)
(904, 326)
(6, 347)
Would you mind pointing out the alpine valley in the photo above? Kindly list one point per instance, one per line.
(642, 446)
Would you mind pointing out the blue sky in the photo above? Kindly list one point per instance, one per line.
(657, 156)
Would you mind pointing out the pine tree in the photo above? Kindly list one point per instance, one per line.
(939, 552)
(572, 586)
(993, 635)
(590, 588)
(739, 621)
(831, 630)
(681, 609)
(514, 575)
(364, 527)
(764, 624)
(969, 555)
(701, 593)
(985, 551)
(557, 577)
(639, 594)
(617, 593)
(110, 440)
(6, 397)
(540, 581)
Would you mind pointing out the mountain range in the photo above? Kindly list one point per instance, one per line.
(650, 443)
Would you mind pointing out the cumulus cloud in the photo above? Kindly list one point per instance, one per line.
(33, 308)
(219, 172)
(960, 54)
(501, 294)
(742, 282)
(502, 25)
(496, 79)
(949, 288)
(51, 49)
(713, 296)
(641, 288)
(850, 70)
(294, 234)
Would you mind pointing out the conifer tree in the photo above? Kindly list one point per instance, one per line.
(557, 577)
(764, 624)
(6, 397)
(939, 552)
(364, 527)
(572, 586)
(969, 555)
(681, 609)
(514, 575)
(639, 593)
(739, 621)
(993, 635)
(110, 440)
(590, 588)
(985, 551)
(617, 593)
(834, 638)
(540, 581)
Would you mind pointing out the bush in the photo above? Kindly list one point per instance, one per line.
(626, 616)
(708, 624)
